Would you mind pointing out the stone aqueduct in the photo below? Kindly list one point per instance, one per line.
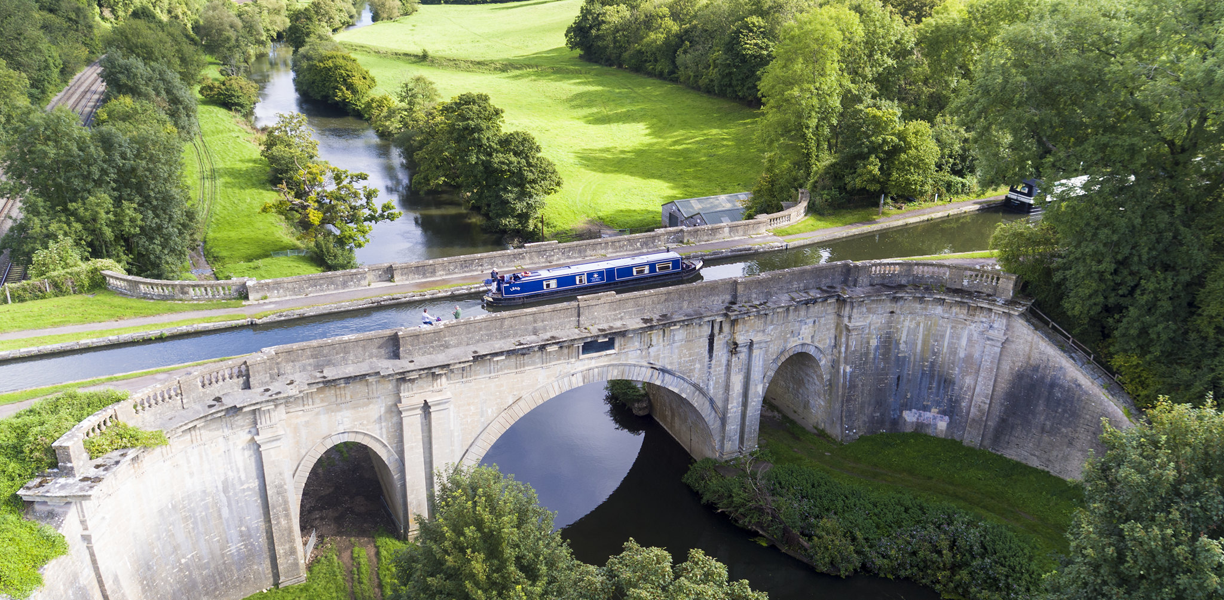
(848, 348)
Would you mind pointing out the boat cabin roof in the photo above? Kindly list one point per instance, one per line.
(598, 265)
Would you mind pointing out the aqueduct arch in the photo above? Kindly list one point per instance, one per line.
(699, 402)
(797, 382)
(390, 471)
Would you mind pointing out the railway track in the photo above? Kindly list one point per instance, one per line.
(83, 94)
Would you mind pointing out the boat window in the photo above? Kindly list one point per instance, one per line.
(642, 270)
(661, 267)
(580, 280)
(550, 284)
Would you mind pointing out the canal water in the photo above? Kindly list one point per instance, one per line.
(956, 234)
(432, 226)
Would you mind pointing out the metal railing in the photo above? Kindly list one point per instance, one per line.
(1076, 344)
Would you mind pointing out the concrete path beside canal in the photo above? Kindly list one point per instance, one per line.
(251, 309)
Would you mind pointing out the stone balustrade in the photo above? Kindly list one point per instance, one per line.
(156, 289)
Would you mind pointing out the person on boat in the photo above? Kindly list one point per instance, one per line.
(458, 313)
(493, 274)
(428, 319)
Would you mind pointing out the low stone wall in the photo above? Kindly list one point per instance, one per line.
(156, 289)
(530, 256)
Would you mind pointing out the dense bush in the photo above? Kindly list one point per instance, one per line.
(459, 145)
(386, 10)
(154, 41)
(842, 529)
(325, 71)
(288, 146)
(77, 280)
(152, 82)
(624, 392)
(318, 20)
(235, 92)
(25, 450)
(121, 435)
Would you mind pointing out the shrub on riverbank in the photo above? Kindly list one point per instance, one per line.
(235, 92)
(842, 529)
(25, 450)
(325, 71)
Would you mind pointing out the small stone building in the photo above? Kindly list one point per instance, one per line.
(710, 210)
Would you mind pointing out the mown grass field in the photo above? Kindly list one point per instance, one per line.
(1037, 504)
(239, 239)
(623, 143)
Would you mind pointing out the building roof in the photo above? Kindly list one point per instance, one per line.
(727, 215)
(711, 204)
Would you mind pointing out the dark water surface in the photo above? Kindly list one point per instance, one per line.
(957, 234)
(431, 226)
(611, 476)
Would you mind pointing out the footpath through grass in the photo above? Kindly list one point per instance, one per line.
(1035, 503)
(623, 143)
(92, 308)
(240, 240)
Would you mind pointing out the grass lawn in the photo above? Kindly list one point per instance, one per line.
(92, 308)
(974, 254)
(860, 214)
(45, 340)
(623, 143)
(240, 239)
(1032, 501)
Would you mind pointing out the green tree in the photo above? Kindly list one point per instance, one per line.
(116, 190)
(153, 41)
(153, 83)
(288, 146)
(63, 254)
(1103, 89)
(326, 200)
(648, 574)
(1153, 508)
(324, 71)
(25, 49)
(14, 101)
(222, 33)
(488, 538)
(501, 175)
(234, 92)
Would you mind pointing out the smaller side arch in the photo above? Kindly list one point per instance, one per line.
(809, 401)
(697, 398)
(371, 441)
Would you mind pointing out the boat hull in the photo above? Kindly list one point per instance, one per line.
(688, 271)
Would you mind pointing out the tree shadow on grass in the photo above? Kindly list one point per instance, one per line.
(514, 5)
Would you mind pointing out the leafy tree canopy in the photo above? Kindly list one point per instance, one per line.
(153, 83)
(502, 175)
(289, 146)
(326, 200)
(1127, 94)
(166, 43)
(1153, 508)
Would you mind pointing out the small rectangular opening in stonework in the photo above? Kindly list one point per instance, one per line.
(597, 346)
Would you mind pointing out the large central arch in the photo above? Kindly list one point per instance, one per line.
(697, 398)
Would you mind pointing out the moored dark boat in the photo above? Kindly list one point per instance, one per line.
(589, 278)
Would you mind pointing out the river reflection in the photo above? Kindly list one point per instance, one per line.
(432, 226)
(611, 476)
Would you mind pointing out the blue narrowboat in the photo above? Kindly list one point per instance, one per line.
(588, 278)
